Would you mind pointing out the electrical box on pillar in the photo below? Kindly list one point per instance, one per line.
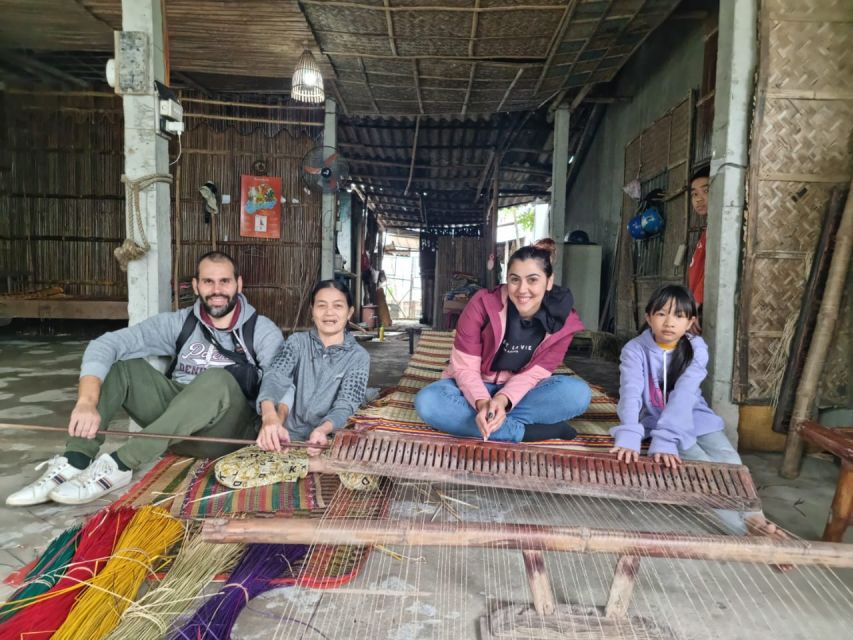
(171, 114)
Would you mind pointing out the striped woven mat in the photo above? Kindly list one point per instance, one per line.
(205, 497)
(396, 411)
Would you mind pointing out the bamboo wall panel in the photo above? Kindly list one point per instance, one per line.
(63, 212)
(63, 199)
(801, 132)
(659, 158)
(457, 254)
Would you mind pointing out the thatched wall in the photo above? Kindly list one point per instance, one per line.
(63, 210)
(62, 200)
(802, 127)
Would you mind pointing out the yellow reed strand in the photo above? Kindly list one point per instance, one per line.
(198, 562)
(142, 546)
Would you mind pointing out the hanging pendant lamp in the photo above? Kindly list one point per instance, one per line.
(307, 83)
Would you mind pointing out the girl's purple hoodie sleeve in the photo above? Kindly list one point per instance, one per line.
(632, 376)
(674, 429)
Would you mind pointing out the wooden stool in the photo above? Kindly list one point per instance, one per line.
(452, 309)
(838, 441)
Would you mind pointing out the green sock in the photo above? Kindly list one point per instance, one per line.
(78, 460)
(121, 465)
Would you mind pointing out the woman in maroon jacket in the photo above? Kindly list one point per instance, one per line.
(509, 340)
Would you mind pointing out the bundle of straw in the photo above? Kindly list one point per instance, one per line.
(43, 614)
(138, 553)
(260, 565)
(197, 563)
(46, 572)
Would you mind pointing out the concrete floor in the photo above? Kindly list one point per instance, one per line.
(441, 593)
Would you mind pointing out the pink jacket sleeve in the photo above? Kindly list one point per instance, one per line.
(466, 356)
(551, 358)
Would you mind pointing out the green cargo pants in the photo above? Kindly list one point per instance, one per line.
(211, 405)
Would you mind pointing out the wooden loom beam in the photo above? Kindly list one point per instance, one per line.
(358, 531)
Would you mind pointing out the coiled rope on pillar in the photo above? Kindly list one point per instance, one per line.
(136, 244)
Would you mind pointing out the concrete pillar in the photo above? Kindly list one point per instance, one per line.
(327, 251)
(736, 60)
(541, 221)
(146, 153)
(559, 174)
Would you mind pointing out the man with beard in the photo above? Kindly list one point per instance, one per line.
(219, 347)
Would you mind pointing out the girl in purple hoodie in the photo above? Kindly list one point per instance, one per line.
(659, 395)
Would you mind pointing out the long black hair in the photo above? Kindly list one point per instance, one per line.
(331, 284)
(685, 305)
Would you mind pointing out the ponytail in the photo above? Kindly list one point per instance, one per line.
(681, 358)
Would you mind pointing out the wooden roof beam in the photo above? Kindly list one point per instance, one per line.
(417, 78)
(475, 16)
(555, 41)
(41, 68)
(509, 89)
(414, 154)
(434, 8)
(367, 84)
(470, 86)
(390, 23)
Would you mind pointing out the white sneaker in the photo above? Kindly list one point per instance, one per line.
(98, 479)
(58, 472)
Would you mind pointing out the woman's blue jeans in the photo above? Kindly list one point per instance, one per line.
(442, 406)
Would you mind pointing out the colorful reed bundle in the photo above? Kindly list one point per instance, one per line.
(260, 565)
(46, 572)
(139, 552)
(197, 563)
(39, 618)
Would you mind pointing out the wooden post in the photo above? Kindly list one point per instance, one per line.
(842, 505)
(622, 586)
(540, 585)
(822, 338)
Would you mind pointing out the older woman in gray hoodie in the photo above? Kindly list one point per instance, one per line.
(318, 378)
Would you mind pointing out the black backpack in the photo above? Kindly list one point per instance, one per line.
(245, 371)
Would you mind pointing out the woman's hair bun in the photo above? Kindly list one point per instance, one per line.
(546, 244)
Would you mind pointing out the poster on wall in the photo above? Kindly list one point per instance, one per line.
(260, 207)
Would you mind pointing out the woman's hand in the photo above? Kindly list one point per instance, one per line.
(491, 414)
(319, 436)
(273, 434)
(623, 454)
(669, 460)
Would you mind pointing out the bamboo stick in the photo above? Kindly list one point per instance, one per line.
(361, 531)
(210, 116)
(822, 337)
(158, 436)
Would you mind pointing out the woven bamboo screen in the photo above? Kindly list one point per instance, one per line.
(659, 158)
(801, 132)
(457, 254)
(277, 273)
(63, 206)
(63, 210)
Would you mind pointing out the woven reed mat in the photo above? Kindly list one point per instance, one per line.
(204, 497)
(396, 411)
(160, 485)
(314, 496)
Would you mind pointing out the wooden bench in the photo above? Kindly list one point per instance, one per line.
(838, 441)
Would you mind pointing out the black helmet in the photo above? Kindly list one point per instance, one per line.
(578, 237)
